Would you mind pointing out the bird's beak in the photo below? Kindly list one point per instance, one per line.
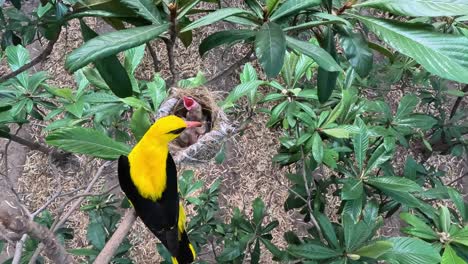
(193, 124)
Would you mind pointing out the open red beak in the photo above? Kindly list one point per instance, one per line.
(188, 102)
(193, 124)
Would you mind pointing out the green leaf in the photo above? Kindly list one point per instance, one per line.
(112, 43)
(425, 8)
(18, 56)
(357, 51)
(457, 199)
(230, 253)
(420, 228)
(258, 211)
(271, 5)
(270, 48)
(241, 90)
(87, 141)
(326, 80)
(317, 147)
(145, 8)
(96, 234)
(291, 7)
(461, 236)
(133, 58)
(352, 189)
(451, 257)
(337, 132)
(441, 54)
(444, 218)
(140, 123)
(319, 55)
(379, 157)
(312, 251)
(327, 229)
(374, 250)
(271, 247)
(213, 17)
(157, 91)
(225, 37)
(396, 184)
(406, 106)
(110, 68)
(361, 143)
(76, 108)
(407, 250)
(355, 233)
(421, 121)
(83, 251)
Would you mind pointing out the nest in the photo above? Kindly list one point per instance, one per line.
(217, 124)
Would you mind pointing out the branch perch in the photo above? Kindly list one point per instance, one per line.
(119, 235)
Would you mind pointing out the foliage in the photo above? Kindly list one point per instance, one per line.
(322, 93)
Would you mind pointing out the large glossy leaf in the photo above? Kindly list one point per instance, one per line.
(220, 38)
(451, 257)
(427, 8)
(407, 250)
(326, 80)
(214, 17)
(110, 68)
(241, 90)
(374, 250)
(357, 51)
(270, 48)
(319, 55)
(145, 8)
(18, 56)
(112, 43)
(312, 251)
(396, 184)
(140, 123)
(441, 54)
(361, 143)
(87, 141)
(293, 6)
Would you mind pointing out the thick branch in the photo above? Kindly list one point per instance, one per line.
(47, 51)
(29, 144)
(119, 235)
(170, 43)
(23, 225)
(231, 69)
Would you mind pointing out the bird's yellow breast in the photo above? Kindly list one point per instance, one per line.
(148, 169)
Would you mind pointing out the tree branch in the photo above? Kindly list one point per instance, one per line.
(23, 225)
(47, 51)
(154, 56)
(458, 102)
(119, 235)
(170, 43)
(232, 68)
(29, 144)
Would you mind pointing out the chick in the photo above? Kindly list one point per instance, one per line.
(195, 113)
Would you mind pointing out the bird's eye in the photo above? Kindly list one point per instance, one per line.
(177, 131)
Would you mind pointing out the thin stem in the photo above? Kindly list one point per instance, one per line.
(47, 51)
(458, 102)
(29, 144)
(170, 43)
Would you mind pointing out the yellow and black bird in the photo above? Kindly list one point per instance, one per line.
(148, 176)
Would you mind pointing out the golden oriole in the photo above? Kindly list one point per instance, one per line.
(148, 176)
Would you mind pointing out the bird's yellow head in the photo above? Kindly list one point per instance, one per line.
(168, 128)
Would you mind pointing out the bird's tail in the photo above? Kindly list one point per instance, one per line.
(186, 253)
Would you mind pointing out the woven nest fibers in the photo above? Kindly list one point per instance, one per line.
(217, 126)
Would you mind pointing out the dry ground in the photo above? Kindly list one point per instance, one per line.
(247, 174)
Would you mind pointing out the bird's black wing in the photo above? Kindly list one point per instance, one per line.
(159, 216)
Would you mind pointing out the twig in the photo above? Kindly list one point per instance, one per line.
(119, 235)
(60, 221)
(457, 179)
(19, 249)
(170, 43)
(47, 51)
(154, 56)
(48, 202)
(233, 67)
(458, 102)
